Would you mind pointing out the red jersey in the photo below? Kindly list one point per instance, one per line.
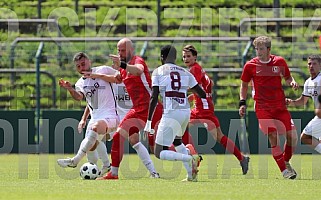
(138, 87)
(206, 83)
(267, 81)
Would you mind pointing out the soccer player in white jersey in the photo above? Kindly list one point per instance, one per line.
(124, 104)
(96, 86)
(172, 83)
(311, 134)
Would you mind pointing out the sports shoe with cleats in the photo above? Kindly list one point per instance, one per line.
(289, 168)
(289, 174)
(67, 162)
(245, 164)
(154, 175)
(104, 170)
(194, 163)
(108, 176)
(189, 180)
(192, 151)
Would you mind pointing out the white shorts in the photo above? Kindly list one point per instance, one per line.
(171, 125)
(111, 122)
(313, 128)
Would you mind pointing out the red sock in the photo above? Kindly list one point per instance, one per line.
(278, 157)
(231, 147)
(117, 149)
(288, 152)
(187, 138)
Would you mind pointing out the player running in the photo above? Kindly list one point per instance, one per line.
(203, 112)
(172, 83)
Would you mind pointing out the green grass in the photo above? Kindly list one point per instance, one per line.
(219, 178)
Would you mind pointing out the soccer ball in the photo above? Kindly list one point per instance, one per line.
(89, 171)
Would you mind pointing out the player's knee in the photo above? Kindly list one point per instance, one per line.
(177, 142)
(306, 139)
(157, 153)
(302, 136)
(159, 149)
(94, 128)
(133, 139)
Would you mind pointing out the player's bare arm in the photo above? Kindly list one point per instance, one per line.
(199, 91)
(136, 69)
(152, 105)
(243, 94)
(67, 85)
(105, 77)
(302, 100)
(291, 82)
(82, 122)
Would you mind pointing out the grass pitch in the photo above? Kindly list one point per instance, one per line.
(38, 177)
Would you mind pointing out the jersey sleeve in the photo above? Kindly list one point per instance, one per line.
(192, 81)
(79, 86)
(246, 74)
(305, 89)
(108, 70)
(197, 72)
(286, 70)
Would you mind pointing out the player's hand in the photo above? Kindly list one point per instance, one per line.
(148, 129)
(81, 125)
(288, 101)
(294, 85)
(191, 98)
(242, 111)
(116, 61)
(118, 78)
(64, 84)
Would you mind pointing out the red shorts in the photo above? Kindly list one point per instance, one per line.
(134, 120)
(275, 120)
(202, 117)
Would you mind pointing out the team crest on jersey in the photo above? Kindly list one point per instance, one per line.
(276, 69)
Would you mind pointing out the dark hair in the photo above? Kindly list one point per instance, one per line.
(315, 57)
(168, 52)
(79, 56)
(190, 48)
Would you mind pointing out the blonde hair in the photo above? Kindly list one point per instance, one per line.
(262, 40)
(191, 49)
(79, 56)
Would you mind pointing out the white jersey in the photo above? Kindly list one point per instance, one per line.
(99, 94)
(173, 82)
(312, 88)
(124, 103)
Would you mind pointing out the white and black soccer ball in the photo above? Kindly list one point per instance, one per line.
(89, 171)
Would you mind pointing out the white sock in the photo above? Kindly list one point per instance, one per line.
(144, 156)
(318, 148)
(183, 150)
(92, 157)
(86, 144)
(114, 170)
(173, 156)
(103, 155)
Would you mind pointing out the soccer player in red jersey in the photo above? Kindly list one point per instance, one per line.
(135, 75)
(266, 72)
(203, 112)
